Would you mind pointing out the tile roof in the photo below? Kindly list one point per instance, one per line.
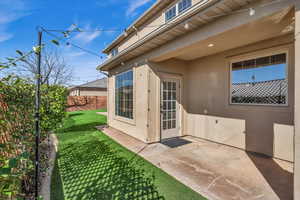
(261, 89)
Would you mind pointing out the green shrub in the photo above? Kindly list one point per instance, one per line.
(17, 138)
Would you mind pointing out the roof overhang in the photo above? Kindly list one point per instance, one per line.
(205, 6)
(197, 17)
(156, 7)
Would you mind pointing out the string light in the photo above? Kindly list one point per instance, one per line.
(125, 31)
(187, 26)
(68, 43)
(251, 12)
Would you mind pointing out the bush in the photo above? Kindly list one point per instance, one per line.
(17, 138)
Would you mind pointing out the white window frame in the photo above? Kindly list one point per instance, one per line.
(184, 10)
(254, 56)
(114, 52)
(176, 12)
(176, 6)
(121, 118)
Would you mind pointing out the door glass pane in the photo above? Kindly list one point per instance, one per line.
(164, 86)
(169, 105)
(169, 124)
(173, 123)
(164, 125)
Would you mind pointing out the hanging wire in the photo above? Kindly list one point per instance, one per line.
(120, 29)
(67, 42)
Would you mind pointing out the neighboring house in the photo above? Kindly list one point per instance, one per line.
(221, 70)
(93, 88)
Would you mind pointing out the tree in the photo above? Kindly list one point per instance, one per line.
(54, 69)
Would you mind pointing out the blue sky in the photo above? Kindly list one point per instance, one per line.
(19, 19)
(272, 72)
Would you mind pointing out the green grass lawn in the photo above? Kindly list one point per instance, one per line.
(90, 165)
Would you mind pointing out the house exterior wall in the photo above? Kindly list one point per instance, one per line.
(151, 26)
(157, 71)
(206, 112)
(263, 129)
(138, 126)
(85, 92)
(297, 104)
(92, 93)
(74, 93)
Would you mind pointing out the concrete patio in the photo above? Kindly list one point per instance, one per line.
(216, 171)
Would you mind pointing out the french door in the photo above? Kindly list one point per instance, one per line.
(170, 108)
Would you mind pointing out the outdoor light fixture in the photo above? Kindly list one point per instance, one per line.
(251, 12)
(187, 26)
(135, 28)
(125, 33)
(211, 45)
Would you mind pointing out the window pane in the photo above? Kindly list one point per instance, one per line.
(260, 81)
(183, 5)
(173, 123)
(124, 95)
(171, 13)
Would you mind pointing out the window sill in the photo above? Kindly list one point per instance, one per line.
(125, 120)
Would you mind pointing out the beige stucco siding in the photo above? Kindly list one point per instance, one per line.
(153, 24)
(138, 126)
(169, 69)
(92, 93)
(206, 112)
(297, 105)
(255, 128)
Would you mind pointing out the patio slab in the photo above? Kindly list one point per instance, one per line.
(216, 171)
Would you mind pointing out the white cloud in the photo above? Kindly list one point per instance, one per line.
(87, 37)
(134, 5)
(10, 11)
(5, 36)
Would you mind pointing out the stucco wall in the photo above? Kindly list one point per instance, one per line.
(168, 69)
(206, 110)
(138, 126)
(263, 129)
(297, 105)
(152, 24)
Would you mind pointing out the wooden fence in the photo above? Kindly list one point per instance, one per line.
(76, 103)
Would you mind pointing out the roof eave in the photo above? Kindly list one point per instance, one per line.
(106, 66)
(131, 28)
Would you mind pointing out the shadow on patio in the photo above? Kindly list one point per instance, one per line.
(279, 179)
